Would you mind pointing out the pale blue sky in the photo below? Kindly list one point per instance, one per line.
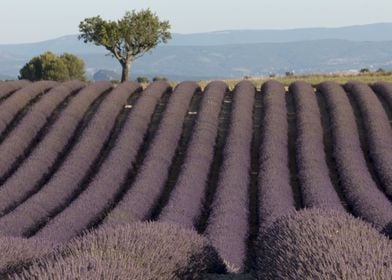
(36, 20)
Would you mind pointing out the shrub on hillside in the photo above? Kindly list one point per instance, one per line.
(159, 78)
(49, 66)
(289, 73)
(75, 66)
(323, 244)
(142, 80)
(137, 251)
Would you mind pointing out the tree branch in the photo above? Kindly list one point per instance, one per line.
(139, 55)
(116, 54)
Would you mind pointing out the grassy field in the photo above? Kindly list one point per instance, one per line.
(315, 79)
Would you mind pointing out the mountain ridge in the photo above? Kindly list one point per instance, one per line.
(364, 32)
(240, 52)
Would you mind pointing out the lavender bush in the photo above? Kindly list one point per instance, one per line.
(19, 252)
(275, 193)
(228, 224)
(323, 244)
(185, 202)
(19, 139)
(378, 131)
(387, 230)
(139, 251)
(361, 192)
(112, 172)
(67, 179)
(12, 105)
(151, 177)
(313, 173)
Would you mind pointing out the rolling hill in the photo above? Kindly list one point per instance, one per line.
(226, 54)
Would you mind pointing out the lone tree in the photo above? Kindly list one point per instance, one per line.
(128, 38)
(49, 66)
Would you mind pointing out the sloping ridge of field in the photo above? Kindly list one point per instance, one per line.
(225, 163)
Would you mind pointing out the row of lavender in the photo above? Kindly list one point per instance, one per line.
(228, 222)
(297, 89)
(275, 192)
(44, 155)
(316, 187)
(10, 87)
(20, 138)
(145, 191)
(98, 197)
(41, 202)
(377, 125)
(33, 170)
(360, 191)
(16, 102)
(186, 200)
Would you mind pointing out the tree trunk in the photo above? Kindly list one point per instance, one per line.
(125, 71)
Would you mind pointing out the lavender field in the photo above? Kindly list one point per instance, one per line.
(123, 182)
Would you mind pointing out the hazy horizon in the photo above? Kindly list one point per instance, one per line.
(212, 31)
(26, 21)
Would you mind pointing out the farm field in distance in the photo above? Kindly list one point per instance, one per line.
(314, 79)
(284, 178)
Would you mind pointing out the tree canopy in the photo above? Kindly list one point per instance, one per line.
(49, 66)
(127, 38)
